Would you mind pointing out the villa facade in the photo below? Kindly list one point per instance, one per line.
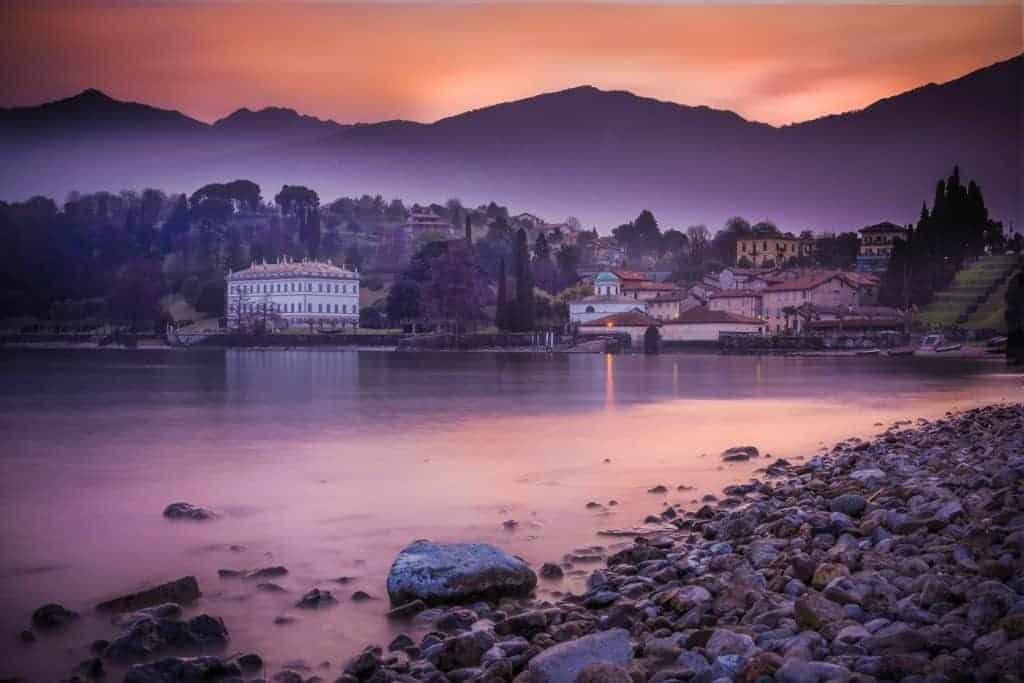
(876, 244)
(607, 300)
(290, 293)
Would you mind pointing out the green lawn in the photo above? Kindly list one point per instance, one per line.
(968, 284)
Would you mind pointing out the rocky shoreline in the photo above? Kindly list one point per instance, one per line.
(894, 559)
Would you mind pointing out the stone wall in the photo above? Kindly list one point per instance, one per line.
(467, 342)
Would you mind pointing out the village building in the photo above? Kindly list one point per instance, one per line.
(606, 252)
(767, 250)
(808, 245)
(670, 305)
(742, 278)
(607, 300)
(633, 323)
(427, 222)
(876, 244)
(867, 286)
(780, 302)
(556, 233)
(743, 302)
(856, 320)
(640, 287)
(703, 291)
(703, 325)
(289, 293)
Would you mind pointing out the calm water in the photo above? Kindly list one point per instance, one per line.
(329, 462)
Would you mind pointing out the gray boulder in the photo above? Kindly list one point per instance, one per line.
(814, 611)
(603, 672)
(439, 573)
(565, 661)
(155, 630)
(183, 670)
(796, 671)
(52, 616)
(725, 642)
(183, 510)
(183, 591)
(850, 504)
(739, 453)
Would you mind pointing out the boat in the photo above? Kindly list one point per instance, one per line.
(869, 352)
(936, 343)
(900, 352)
(996, 345)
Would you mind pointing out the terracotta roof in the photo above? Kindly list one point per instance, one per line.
(804, 282)
(627, 319)
(701, 315)
(649, 286)
(862, 278)
(735, 293)
(293, 269)
(630, 275)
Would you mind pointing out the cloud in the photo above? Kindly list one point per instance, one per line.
(370, 61)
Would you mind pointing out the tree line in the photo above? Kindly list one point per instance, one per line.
(956, 228)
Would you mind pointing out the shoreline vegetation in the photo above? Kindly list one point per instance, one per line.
(897, 558)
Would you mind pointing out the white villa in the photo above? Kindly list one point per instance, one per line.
(607, 300)
(294, 292)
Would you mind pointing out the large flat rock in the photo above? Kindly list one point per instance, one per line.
(441, 573)
(564, 662)
(183, 591)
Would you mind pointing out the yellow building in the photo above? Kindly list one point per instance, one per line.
(767, 250)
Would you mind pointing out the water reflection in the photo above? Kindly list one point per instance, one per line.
(328, 462)
(609, 382)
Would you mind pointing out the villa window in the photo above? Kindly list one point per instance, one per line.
(309, 308)
(590, 309)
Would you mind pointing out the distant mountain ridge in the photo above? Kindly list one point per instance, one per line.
(600, 155)
(276, 121)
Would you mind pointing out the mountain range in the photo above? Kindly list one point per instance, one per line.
(599, 155)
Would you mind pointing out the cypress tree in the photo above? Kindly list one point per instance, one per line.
(501, 314)
(523, 321)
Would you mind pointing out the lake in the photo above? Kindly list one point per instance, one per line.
(329, 462)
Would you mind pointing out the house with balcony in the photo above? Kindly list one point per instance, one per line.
(876, 245)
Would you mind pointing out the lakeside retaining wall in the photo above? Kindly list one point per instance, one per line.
(239, 340)
(786, 344)
(472, 341)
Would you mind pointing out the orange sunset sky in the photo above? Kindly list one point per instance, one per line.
(777, 63)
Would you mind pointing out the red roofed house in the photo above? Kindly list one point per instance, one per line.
(743, 302)
(824, 288)
(669, 305)
(639, 287)
(634, 323)
(704, 325)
